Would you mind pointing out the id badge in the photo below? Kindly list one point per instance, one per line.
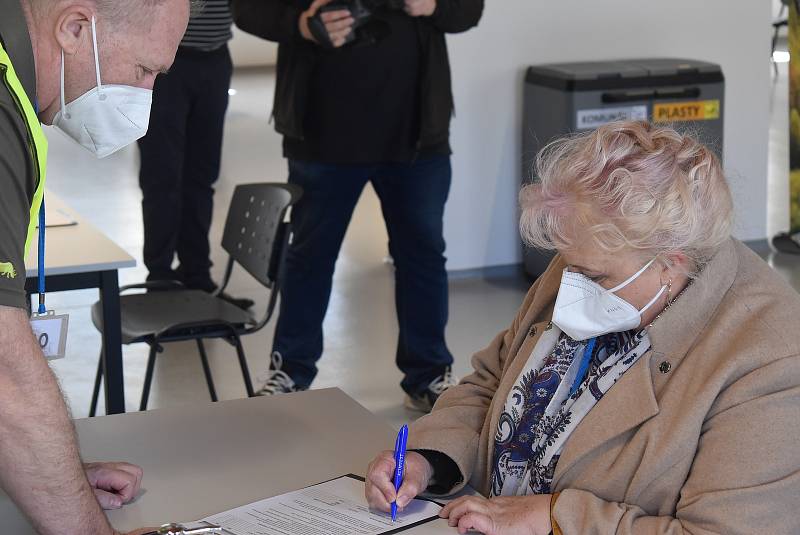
(50, 331)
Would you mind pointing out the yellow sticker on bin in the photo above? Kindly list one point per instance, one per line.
(701, 110)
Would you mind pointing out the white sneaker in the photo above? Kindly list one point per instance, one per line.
(276, 381)
(425, 401)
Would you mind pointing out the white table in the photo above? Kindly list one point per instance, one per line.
(79, 257)
(202, 459)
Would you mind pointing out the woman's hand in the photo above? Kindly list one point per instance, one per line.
(516, 515)
(379, 488)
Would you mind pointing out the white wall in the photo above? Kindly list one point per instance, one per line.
(488, 66)
(250, 51)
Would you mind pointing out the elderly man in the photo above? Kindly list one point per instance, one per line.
(86, 66)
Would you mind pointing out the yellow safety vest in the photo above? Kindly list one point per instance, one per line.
(37, 142)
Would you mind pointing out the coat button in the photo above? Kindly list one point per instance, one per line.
(664, 367)
(532, 332)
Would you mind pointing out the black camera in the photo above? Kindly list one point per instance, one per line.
(367, 28)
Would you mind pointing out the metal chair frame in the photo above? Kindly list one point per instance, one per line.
(200, 331)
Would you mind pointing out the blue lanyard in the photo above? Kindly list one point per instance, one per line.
(40, 266)
(42, 308)
(584, 366)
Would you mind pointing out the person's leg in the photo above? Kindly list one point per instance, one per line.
(160, 172)
(319, 222)
(210, 73)
(413, 199)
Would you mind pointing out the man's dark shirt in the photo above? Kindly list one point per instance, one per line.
(18, 178)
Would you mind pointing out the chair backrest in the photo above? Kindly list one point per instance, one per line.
(254, 225)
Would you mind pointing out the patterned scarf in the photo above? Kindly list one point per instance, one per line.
(541, 411)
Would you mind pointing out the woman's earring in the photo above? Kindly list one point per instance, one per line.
(669, 291)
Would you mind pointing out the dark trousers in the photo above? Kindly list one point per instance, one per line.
(180, 162)
(412, 200)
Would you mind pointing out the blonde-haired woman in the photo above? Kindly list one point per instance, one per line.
(649, 384)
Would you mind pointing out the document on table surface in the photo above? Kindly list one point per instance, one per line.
(336, 507)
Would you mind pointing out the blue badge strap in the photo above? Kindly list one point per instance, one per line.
(40, 265)
(585, 360)
(40, 268)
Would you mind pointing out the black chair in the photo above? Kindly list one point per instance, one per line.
(256, 237)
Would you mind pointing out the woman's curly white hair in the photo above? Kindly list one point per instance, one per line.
(628, 185)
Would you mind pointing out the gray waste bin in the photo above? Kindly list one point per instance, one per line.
(561, 98)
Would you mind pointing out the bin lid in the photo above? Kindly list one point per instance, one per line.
(583, 76)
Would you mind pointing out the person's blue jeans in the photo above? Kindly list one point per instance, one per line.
(412, 199)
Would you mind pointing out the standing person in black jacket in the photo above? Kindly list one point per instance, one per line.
(371, 110)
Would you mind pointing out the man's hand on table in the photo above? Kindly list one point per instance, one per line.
(114, 483)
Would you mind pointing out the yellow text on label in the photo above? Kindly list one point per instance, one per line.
(701, 110)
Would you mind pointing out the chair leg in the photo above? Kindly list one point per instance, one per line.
(96, 392)
(206, 369)
(148, 377)
(248, 384)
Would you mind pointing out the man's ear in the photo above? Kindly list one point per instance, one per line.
(73, 27)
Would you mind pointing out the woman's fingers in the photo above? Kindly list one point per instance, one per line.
(380, 491)
(418, 472)
(376, 499)
(463, 506)
(476, 522)
(445, 512)
(410, 489)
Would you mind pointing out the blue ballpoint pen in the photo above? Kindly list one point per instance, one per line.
(399, 464)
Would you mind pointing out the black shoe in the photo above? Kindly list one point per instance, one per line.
(205, 284)
(425, 400)
(209, 286)
(163, 280)
(241, 302)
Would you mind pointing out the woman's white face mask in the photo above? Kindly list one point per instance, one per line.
(584, 309)
(107, 117)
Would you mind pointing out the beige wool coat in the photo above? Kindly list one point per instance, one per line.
(701, 435)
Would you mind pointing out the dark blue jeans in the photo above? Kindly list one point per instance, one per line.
(412, 199)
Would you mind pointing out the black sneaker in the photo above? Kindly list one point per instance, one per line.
(276, 381)
(425, 401)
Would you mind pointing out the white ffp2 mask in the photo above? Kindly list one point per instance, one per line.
(584, 309)
(107, 117)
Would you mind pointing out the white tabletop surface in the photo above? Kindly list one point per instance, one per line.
(76, 248)
(203, 459)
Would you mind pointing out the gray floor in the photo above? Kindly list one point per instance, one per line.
(360, 328)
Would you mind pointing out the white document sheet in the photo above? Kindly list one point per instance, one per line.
(337, 507)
